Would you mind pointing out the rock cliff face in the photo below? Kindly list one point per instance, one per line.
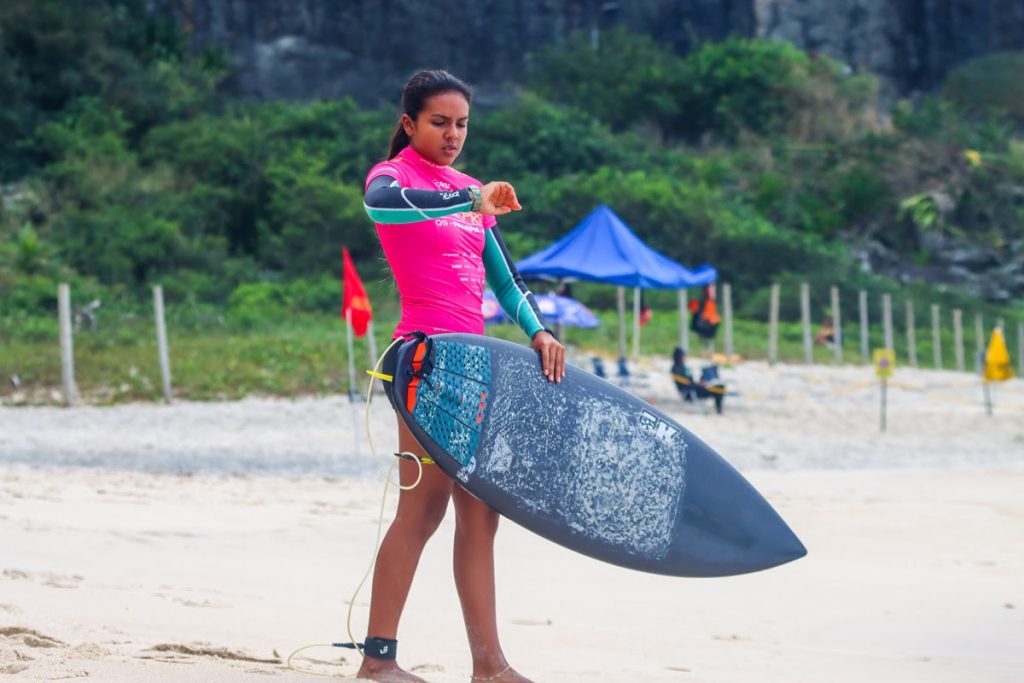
(301, 49)
(911, 44)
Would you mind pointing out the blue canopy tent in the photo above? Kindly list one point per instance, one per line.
(603, 249)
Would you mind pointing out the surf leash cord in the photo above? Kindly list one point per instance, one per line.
(353, 644)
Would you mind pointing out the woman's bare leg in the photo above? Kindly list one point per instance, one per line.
(475, 526)
(420, 511)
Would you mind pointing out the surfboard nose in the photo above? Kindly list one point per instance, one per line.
(726, 527)
(737, 543)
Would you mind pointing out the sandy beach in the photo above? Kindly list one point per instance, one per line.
(207, 542)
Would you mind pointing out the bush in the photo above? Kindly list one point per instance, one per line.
(737, 85)
(533, 136)
(988, 83)
(309, 216)
(316, 295)
(257, 304)
(30, 328)
(266, 303)
(28, 294)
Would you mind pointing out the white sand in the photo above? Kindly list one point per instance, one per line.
(192, 543)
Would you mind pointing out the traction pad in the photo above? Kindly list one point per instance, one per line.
(448, 394)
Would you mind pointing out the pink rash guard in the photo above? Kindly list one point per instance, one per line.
(437, 262)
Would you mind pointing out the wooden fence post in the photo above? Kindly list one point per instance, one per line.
(161, 341)
(67, 345)
(911, 335)
(727, 310)
(773, 325)
(865, 350)
(936, 337)
(1020, 348)
(684, 320)
(958, 338)
(805, 318)
(837, 327)
(887, 322)
(979, 337)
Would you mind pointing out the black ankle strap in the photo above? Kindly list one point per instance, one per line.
(380, 648)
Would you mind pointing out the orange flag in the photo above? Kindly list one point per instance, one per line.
(355, 304)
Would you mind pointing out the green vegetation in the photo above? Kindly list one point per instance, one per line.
(124, 165)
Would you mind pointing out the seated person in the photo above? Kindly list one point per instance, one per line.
(627, 377)
(689, 388)
(826, 335)
(623, 370)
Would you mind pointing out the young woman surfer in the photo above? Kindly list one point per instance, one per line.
(438, 232)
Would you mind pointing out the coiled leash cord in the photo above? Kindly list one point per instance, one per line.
(381, 648)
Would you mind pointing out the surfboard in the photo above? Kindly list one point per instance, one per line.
(583, 462)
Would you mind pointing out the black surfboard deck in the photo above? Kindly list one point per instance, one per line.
(582, 462)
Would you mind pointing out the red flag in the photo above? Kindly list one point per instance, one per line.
(355, 304)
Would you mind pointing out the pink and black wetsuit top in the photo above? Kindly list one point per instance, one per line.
(440, 252)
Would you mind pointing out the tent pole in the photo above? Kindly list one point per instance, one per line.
(559, 291)
(620, 296)
(636, 324)
(684, 328)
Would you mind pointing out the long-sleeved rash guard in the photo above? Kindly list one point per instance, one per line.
(440, 252)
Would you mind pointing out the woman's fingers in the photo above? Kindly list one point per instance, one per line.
(552, 356)
(558, 362)
(509, 198)
(499, 198)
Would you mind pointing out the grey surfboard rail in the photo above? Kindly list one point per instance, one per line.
(584, 463)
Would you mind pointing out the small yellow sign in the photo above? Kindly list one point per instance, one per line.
(997, 359)
(885, 361)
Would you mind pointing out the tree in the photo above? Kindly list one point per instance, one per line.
(991, 82)
(53, 52)
(629, 80)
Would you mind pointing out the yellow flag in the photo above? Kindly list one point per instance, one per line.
(997, 358)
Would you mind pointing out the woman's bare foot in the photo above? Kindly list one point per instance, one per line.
(385, 671)
(509, 675)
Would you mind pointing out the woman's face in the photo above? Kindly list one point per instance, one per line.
(440, 129)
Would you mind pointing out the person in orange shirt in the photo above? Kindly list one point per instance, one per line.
(705, 319)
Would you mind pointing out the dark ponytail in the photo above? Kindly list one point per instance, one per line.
(417, 91)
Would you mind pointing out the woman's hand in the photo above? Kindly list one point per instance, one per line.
(498, 198)
(552, 355)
